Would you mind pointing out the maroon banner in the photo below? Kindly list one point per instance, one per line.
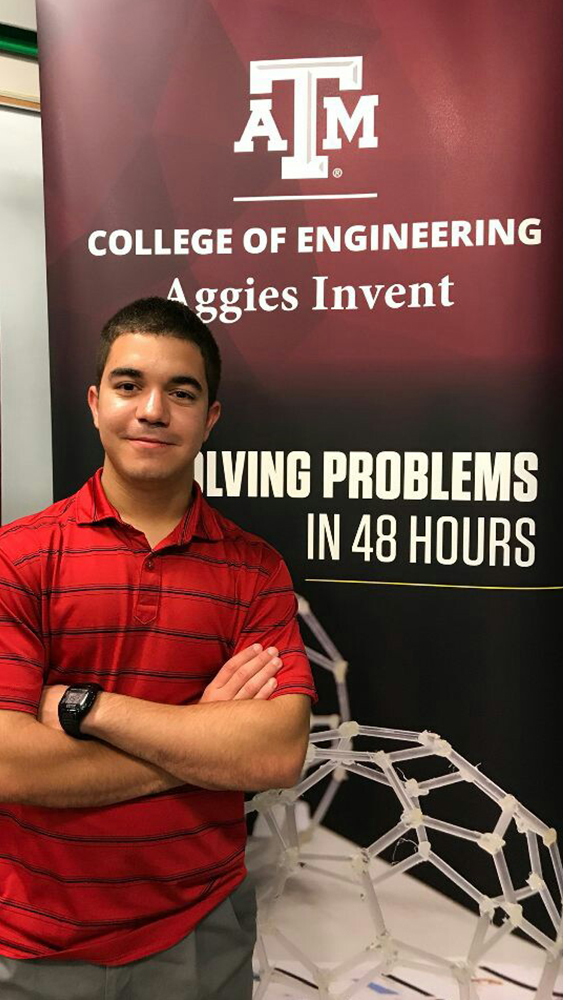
(364, 202)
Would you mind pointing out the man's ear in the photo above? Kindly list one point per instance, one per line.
(213, 414)
(93, 404)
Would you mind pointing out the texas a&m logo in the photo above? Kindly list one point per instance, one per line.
(306, 162)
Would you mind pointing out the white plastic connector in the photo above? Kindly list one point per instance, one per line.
(439, 746)
(349, 729)
(487, 907)
(491, 842)
(389, 953)
(360, 863)
(290, 858)
(412, 818)
(340, 669)
(425, 849)
(462, 971)
(382, 759)
(287, 797)
(535, 882)
(522, 824)
(514, 912)
(549, 837)
(508, 804)
(264, 801)
(411, 788)
(427, 738)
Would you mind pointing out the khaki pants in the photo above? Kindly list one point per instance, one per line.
(214, 962)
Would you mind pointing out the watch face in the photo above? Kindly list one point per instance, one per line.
(77, 699)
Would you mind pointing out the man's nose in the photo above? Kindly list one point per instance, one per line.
(152, 406)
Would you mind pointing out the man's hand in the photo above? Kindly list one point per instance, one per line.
(248, 675)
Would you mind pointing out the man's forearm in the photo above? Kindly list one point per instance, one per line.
(246, 745)
(43, 767)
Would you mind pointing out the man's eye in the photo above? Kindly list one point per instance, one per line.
(182, 394)
(127, 386)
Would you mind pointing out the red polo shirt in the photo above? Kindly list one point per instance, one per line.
(83, 598)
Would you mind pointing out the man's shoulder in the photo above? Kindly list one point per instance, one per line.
(256, 549)
(32, 528)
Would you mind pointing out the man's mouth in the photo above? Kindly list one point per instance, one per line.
(150, 442)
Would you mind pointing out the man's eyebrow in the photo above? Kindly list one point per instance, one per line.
(186, 380)
(175, 380)
(121, 372)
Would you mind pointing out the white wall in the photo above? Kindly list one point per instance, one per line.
(24, 355)
(20, 13)
(19, 78)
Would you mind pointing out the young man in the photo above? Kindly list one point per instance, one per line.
(145, 644)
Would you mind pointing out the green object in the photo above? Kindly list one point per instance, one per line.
(18, 41)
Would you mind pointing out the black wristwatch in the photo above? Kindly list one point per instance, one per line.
(74, 706)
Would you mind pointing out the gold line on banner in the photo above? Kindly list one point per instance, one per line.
(447, 586)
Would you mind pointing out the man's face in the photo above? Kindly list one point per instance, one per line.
(151, 409)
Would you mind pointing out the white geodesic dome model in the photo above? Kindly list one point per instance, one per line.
(383, 767)
(331, 758)
(330, 660)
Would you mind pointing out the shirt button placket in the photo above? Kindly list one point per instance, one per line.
(147, 600)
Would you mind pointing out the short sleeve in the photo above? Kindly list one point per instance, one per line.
(272, 620)
(22, 652)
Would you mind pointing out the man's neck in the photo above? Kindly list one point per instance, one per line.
(150, 502)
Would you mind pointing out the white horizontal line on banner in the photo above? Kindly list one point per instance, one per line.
(306, 197)
(452, 586)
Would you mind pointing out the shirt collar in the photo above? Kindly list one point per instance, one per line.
(199, 521)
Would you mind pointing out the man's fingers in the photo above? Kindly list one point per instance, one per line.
(257, 681)
(253, 667)
(228, 681)
(268, 689)
(245, 676)
(230, 668)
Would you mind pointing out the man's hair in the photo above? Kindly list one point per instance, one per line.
(163, 318)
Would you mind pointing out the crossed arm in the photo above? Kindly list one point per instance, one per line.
(233, 739)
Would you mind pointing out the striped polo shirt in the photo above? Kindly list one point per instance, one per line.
(83, 598)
